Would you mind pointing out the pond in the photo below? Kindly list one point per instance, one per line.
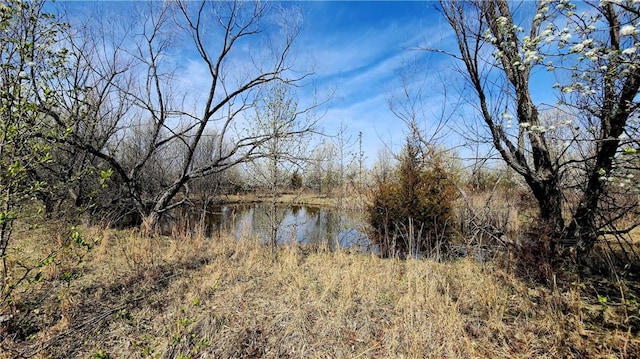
(306, 225)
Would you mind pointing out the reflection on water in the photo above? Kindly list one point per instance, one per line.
(300, 224)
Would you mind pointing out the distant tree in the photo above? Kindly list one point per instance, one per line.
(321, 170)
(296, 180)
(286, 129)
(345, 157)
(383, 166)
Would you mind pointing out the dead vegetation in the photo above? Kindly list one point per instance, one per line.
(127, 296)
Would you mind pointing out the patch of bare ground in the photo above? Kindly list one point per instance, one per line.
(188, 297)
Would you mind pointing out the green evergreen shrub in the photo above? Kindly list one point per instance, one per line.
(411, 213)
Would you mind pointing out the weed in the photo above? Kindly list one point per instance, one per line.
(101, 355)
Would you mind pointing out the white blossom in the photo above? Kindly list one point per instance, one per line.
(546, 32)
(488, 36)
(531, 56)
(502, 21)
(577, 48)
(628, 30)
(591, 55)
(630, 51)
(540, 129)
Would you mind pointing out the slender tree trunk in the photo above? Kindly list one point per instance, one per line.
(583, 226)
(5, 234)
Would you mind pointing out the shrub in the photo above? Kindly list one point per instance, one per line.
(411, 214)
(296, 180)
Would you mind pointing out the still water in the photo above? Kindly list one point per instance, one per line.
(305, 225)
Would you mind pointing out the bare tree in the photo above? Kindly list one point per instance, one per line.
(383, 167)
(163, 128)
(345, 156)
(319, 170)
(287, 127)
(594, 59)
(410, 104)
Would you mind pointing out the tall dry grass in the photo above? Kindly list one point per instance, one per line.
(189, 297)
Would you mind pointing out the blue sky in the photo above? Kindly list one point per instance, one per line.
(357, 51)
(360, 49)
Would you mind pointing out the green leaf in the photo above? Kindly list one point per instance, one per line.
(104, 177)
(15, 168)
(602, 299)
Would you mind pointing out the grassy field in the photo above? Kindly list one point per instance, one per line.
(115, 294)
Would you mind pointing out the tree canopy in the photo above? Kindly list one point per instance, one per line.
(576, 154)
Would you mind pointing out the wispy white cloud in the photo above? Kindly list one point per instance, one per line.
(363, 67)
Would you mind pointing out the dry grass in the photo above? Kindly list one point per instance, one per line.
(187, 297)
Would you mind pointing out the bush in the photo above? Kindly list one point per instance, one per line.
(411, 214)
(296, 180)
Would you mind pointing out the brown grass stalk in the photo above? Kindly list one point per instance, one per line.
(190, 297)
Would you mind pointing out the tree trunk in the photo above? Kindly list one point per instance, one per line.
(583, 227)
(549, 198)
(152, 219)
